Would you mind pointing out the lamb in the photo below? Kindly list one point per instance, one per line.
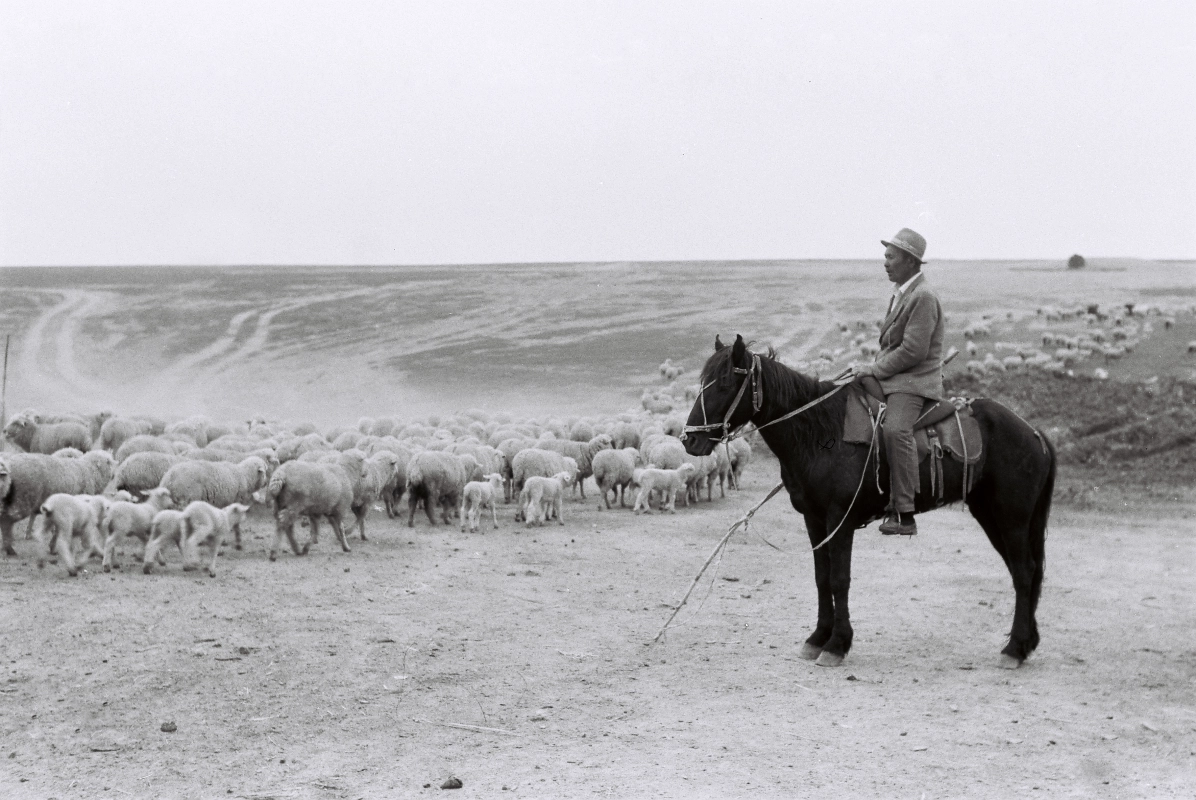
(218, 483)
(436, 478)
(67, 517)
(479, 495)
(46, 437)
(542, 498)
(582, 453)
(167, 527)
(28, 479)
(140, 472)
(303, 489)
(124, 519)
(705, 469)
(666, 481)
(117, 430)
(614, 471)
(203, 523)
(535, 461)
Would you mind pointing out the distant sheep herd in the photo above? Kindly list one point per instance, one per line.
(90, 484)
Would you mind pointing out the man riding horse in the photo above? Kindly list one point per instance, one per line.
(909, 368)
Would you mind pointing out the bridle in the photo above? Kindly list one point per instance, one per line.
(754, 377)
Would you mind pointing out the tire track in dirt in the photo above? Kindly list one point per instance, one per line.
(261, 331)
(46, 363)
(175, 371)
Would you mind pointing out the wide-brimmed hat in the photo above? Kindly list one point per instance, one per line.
(909, 241)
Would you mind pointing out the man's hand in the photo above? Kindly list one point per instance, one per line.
(862, 370)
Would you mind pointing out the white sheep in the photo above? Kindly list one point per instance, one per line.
(434, 478)
(740, 455)
(146, 443)
(535, 461)
(216, 482)
(141, 471)
(203, 523)
(666, 481)
(582, 453)
(125, 519)
(542, 498)
(46, 437)
(303, 489)
(977, 368)
(65, 518)
(1100, 374)
(28, 479)
(166, 527)
(479, 495)
(614, 470)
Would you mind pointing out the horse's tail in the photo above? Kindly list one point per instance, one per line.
(1038, 526)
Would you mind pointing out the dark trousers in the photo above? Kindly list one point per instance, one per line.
(902, 412)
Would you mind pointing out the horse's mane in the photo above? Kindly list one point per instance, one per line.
(786, 389)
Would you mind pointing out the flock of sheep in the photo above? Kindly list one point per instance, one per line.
(97, 481)
(1104, 332)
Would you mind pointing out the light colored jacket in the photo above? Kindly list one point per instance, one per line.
(911, 344)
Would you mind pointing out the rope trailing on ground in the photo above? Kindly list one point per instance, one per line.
(742, 523)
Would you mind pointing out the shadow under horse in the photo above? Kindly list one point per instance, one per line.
(1010, 498)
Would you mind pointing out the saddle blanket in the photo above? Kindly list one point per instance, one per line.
(863, 407)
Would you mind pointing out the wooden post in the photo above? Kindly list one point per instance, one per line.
(4, 386)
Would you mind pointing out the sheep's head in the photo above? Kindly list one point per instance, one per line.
(160, 496)
(602, 441)
(18, 425)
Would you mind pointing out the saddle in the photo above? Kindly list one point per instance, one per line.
(943, 426)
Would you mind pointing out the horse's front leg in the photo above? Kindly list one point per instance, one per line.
(812, 648)
(835, 649)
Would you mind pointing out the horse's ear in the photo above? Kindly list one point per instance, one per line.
(718, 343)
(739, 352)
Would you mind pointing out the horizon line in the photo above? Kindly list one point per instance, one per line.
(333, 265)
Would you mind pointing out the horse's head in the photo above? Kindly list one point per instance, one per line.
(724, 399)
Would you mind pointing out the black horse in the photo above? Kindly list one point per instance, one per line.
(1010, 497)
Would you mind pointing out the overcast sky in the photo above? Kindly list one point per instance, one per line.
(447, 132)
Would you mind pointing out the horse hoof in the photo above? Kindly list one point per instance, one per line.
(1008, 662)
(809, 652)
(829, 659)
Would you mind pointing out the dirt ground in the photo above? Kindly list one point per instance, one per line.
(359, 675)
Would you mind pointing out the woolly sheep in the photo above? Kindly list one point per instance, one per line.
(302, 489)
(347, 440)
(125, 519)
(666, 481)
(477, 496)
(435, 478)
(540, 462)
(581, 432)
(28, 479)
(705, 471)
(203, 523)
(294, 447)
(46, 437)
(667, 454)
(624, 435)
(218, 483)
(976, 368)
(542, 498)
(377, 475)
(740, 456)
(167, 527)
(65, 518)
(144, 443)
(582, 453)
(614, 472)
(117, 430)
(140, 472)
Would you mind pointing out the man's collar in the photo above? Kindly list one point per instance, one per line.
(901, 290)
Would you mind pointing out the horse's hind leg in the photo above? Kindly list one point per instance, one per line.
(1009, 533)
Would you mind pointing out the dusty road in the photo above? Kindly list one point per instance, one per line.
(341, 675)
